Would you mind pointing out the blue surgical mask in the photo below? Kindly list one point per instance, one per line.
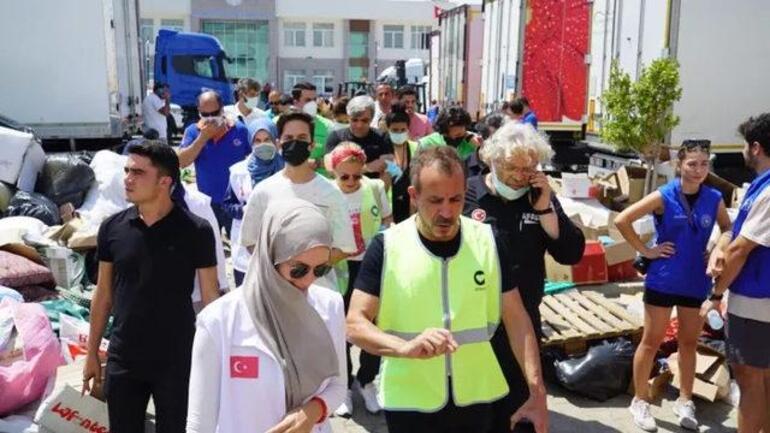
(264, 151)
(506, 191)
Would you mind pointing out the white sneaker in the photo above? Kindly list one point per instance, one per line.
(346, 408)
(643, 419)
(369, 393)
(685, 410)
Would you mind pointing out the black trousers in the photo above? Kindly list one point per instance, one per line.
(225, 221)
(369, 364)
(517, 383)
(128, 394)
(475, 418)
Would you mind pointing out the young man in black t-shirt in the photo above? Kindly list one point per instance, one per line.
(149, 255)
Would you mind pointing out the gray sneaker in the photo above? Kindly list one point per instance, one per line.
(643, 419)
(685, 411)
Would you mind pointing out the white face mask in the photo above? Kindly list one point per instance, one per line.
(311, 108)
(252, 102)
(216, 120)
(399, 137)
(506, 191)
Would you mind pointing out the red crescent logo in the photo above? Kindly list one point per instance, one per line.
(479, 215)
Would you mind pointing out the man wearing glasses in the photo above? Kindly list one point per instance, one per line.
(214, 144)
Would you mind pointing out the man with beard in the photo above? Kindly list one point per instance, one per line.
(429, 295)
(742, 263)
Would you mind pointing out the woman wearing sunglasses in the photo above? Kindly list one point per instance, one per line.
(269, 356)
(684, 212)
(369, 210)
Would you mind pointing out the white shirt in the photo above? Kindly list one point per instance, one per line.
(224, 404)
(152, 118)
(756, 229)
(240, 183)
(319, 191)
(233, 112)
(200, 205)
(353, 200)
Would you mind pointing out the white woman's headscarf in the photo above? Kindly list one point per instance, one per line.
(286, 322)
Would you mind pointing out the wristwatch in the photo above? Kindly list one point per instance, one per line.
(542, 212)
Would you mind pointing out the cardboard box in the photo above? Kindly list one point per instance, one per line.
(712, 378)
(622, 272)
(592, 268)
(576, 185)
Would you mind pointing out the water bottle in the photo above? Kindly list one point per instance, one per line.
(715, 320)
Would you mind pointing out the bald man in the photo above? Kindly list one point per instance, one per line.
(213, 145)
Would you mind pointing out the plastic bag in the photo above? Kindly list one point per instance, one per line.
(604, 372)
(34, 205)
(65, 178)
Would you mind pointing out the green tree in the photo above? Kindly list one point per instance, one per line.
(638, 115)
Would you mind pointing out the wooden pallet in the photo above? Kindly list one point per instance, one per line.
(571, 320)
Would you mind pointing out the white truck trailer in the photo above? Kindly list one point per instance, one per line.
(72, 69)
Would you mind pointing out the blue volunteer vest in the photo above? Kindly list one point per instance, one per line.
(684, 273)
(754, 279)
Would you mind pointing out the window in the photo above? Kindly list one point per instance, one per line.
(420, 37)
(357, 73)
(292, 77)
(177, 25)
(359, 45)
(394, 36)
(294, 34)
(323, 79)
(323, 35)
(201, 66)
(246, 43)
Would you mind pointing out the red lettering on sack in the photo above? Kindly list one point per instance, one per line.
(69, 414)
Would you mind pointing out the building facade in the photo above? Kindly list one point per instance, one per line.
(288, 41)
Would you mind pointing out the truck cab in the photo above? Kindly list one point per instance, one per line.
(191, 63)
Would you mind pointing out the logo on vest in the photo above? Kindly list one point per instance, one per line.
(706, 221)
(479, 215)
(375, 211)
(237, 142)
(479, 279)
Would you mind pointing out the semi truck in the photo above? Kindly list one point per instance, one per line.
(538, 49)
(72, 71)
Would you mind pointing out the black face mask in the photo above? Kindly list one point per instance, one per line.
(454, 142)
(295, 152)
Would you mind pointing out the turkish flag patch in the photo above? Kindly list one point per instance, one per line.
(479, 215)
(246, 367)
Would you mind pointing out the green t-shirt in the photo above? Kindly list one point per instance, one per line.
(464, 149)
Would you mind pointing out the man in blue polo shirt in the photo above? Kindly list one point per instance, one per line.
(742, 263)
(214, 144)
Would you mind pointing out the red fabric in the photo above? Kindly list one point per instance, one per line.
(339, 155)
(554, 71)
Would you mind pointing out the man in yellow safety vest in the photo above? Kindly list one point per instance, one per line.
(429, 295)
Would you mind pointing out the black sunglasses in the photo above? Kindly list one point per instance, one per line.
(346, 177)
(211, 114)
(299, 270)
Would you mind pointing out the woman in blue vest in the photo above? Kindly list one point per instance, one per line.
(684, 211)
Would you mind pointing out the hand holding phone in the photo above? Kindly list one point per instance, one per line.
(541, 191)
